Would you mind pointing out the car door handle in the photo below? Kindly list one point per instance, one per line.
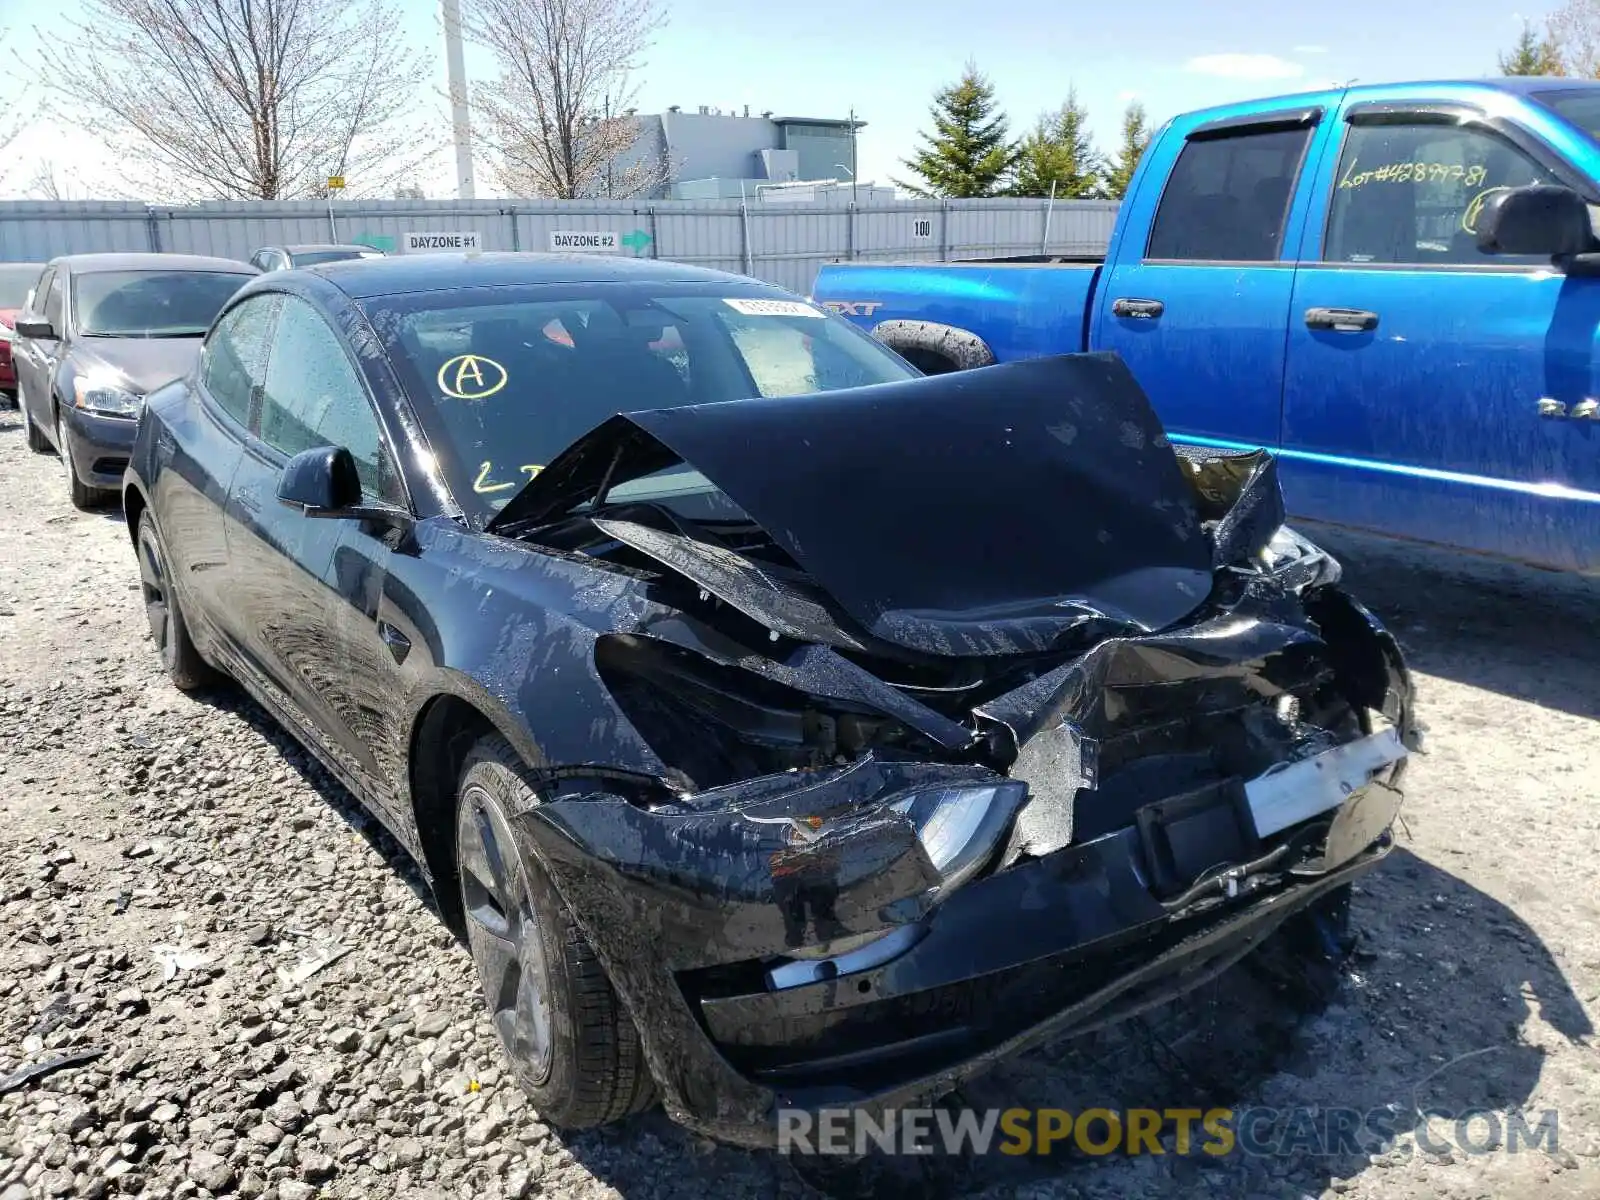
(399, 644)
(1341, 320)
(1142, 310)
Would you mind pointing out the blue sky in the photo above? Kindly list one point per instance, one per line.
(886, 60)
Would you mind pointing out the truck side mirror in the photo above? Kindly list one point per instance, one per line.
(1541, 219)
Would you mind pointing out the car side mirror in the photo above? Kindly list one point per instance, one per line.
(1541, 219)
(321, 482)
(33, 328)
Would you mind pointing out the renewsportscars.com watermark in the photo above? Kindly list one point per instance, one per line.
(1216, 1132)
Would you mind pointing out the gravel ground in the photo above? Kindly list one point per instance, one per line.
(282, 1014)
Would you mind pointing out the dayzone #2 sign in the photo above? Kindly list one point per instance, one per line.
(423, 243)
(599, 241)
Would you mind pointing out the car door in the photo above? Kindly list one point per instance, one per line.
(44, 354)
(1198, 308)
(293, 591)
(24, 351)
(1419, 367)
(205, 440)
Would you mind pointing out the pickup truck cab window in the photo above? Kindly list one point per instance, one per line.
(1227, 197)
(1411, 193)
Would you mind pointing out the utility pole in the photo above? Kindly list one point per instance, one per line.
(852, 153)
(455, 67)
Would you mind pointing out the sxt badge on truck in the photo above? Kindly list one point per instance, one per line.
(853, 308)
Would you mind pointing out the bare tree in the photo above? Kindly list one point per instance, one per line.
(557, 117)
(245, 99)
(1573, 36)
(50, 183)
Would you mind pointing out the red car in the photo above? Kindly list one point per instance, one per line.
(16, 281)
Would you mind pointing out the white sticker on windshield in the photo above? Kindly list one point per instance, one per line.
(773, 308)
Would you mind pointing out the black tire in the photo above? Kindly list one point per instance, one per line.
(571, 1046)
(82, 495)
(164, 611)
(37, 442)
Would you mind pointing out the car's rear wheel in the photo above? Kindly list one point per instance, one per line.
(570, 1044)
(82, 495)
(37, 442)
(164, 612)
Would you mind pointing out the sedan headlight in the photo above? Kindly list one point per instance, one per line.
(960, 826)
(96, 397)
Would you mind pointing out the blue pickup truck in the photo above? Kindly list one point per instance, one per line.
(1397, 288)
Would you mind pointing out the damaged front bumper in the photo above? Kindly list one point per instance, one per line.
(794, 943)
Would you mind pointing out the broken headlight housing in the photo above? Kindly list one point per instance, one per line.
(1299, 558)
(961, 828)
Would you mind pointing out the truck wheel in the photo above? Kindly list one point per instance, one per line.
(570, 1044)
(36, 440)
(164, 611)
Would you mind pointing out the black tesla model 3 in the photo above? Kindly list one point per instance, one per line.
(779, 727)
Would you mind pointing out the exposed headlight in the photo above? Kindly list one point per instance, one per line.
(960, 827)
(92, 396)
(1308, 561)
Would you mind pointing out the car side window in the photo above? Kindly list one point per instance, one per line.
(54, 308)
(40, 291)
(314, 397)
(1227, 198)
(233, 362)
(1411, 193)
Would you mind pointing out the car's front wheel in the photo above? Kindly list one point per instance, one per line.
(82, 495)
(164, 612)
(570, 1044)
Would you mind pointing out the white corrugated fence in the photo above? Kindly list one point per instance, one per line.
(784, 242)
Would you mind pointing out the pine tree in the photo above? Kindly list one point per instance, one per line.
(1059, 151)
(1533, 55)
(970, 151)
(1135, 140)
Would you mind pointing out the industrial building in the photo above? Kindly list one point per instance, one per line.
(710, 154)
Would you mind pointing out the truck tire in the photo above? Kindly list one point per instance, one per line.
(570, 1044)
(934, 349)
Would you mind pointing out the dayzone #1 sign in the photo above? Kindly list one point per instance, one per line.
(601, 241)
(422, 243)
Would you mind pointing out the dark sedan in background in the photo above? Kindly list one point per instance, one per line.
(102, 330)
(287, 258)
(16, 285)
(811, 733)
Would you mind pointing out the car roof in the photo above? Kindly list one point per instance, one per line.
(438, 272)
(84, 263)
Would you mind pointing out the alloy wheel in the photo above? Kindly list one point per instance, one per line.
(153, 587)
(504, 933)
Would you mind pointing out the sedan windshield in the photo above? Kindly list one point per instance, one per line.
(151, 304)
(15, 280)
(310, 258)
(507, 378)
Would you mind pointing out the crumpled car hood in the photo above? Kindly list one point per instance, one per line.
(1020, 500)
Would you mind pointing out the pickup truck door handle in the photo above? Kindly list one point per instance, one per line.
(1144, 310)
(1341, 320)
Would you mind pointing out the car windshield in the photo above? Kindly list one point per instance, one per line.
(1579, 106)
(506, 379)
(15, 280)
(310, 258)
(150, 304)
